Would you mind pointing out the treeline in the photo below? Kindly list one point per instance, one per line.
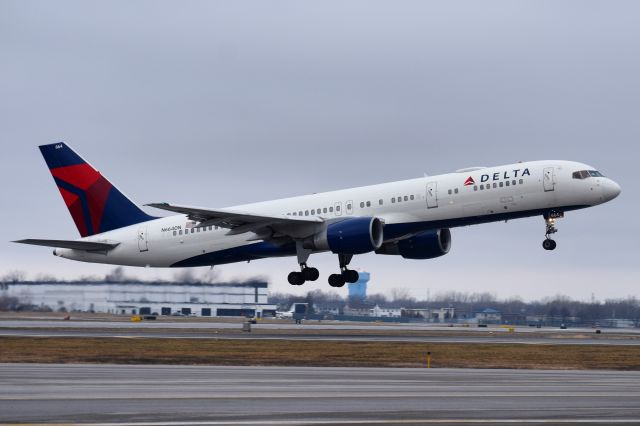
(467, 304)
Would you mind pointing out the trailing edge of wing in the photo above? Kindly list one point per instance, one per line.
(70, 244)
(232, 218)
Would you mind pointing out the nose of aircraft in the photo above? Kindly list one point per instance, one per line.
(610, 190)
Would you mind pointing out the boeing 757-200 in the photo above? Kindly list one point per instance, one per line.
(409, 218)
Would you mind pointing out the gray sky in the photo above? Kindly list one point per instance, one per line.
(222, 103)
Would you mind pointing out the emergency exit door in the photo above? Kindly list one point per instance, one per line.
(548, 180)
(432, 195)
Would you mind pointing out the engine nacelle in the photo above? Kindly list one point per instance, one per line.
(355, 235)
(425, 245)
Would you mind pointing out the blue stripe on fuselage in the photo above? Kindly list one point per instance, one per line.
(266, 249)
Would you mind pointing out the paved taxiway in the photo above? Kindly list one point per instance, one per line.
(287, 395)
(161, 334)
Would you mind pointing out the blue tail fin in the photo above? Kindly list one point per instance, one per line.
(94, 203)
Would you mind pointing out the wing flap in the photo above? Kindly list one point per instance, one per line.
(71, 244)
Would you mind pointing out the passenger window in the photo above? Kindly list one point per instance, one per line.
(481, 187)
(330, 209)
(180, 232)
(406, 198)
(368, 203)
(294, 213)
(324, 210)
(193, 230)
(393, 200)
(337, 208)
(521, 181)
(501, 184)
(361, 204)
(507, 183)
(455, 190)
(198, 228)
(449, 192)
(211, 228)
(380, 201)
(513, 182)
(495, 185)
(174, 233)
(475, 187)
(411, 197)
(300, 213)
(399, 198)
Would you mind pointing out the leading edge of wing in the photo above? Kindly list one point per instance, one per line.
(71, 244)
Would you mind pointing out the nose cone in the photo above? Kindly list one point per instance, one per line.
(610, 190)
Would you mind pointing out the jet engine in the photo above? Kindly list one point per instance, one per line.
(425, 245)
(355, 235)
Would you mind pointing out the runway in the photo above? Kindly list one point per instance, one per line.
(316, 331)
(186, 395)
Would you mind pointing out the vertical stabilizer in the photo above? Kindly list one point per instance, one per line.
(95, 205)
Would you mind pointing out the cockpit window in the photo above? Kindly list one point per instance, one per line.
(583, 174)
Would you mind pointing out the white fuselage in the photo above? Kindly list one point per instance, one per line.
(406, 207)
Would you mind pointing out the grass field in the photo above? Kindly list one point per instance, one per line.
(315, 353)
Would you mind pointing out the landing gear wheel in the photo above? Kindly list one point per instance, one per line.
(549, 244)
(296, 278)
(350, 275)
(336, 280)
(310, 274)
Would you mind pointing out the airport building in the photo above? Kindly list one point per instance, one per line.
(201, 299)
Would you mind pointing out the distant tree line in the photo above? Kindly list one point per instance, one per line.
(561, 308)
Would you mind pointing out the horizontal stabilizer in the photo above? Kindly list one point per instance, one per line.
(71, 244)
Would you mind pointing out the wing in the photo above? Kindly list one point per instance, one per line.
(239, 222)
(71, 244)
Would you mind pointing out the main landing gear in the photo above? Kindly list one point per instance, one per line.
(311, 274)
(345, 275)
(306, 273)
(550, 221)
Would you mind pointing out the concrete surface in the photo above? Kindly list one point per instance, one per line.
(189, 395)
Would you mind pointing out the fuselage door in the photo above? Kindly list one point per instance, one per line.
(349, 207)
(142, 239)
(548, 179)
(338, 208)
(432, 195)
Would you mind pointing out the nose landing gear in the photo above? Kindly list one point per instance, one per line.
(550, 221)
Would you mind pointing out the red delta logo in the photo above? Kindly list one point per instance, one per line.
(469, 181)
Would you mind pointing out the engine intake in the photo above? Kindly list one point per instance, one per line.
(426, 245)
(356, 235)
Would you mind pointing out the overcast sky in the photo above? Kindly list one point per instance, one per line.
(222, 103)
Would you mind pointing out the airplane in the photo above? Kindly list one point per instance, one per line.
(409, 218)
(296, 308)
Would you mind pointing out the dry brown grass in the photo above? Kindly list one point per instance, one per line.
(314, 353)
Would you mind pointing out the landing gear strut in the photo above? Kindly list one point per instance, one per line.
(306, 273)
(346, 275)
(550, 221)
